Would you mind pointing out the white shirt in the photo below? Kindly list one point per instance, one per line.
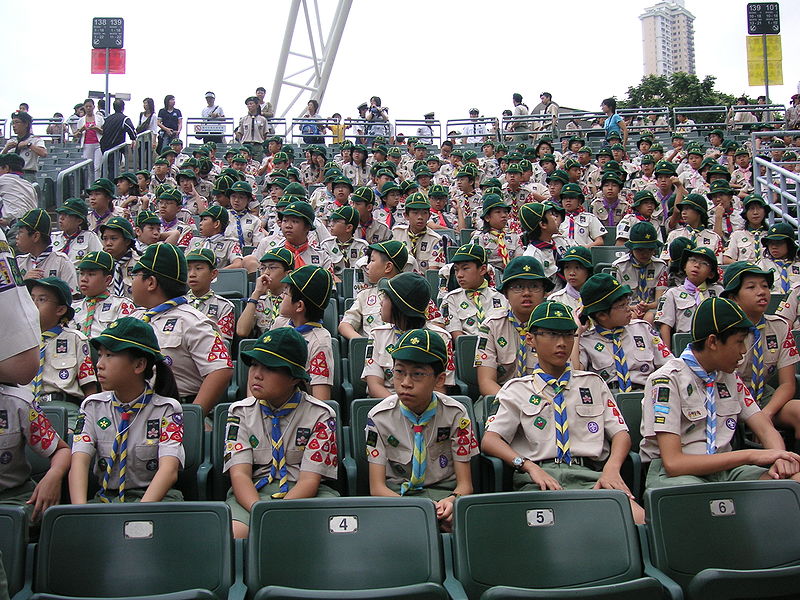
(17, 196)
(217, 110)
(98, 120)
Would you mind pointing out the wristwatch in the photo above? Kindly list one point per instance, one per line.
(518, 462)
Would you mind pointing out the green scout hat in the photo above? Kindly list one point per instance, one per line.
(394, 151)
(553, 316)
(572, 190)
(571, 163)
(433, 158)
(718, 132)
(389, 186)
(103, 185)
(176, 142)
(61, 289)
(422, 171)
(780, 232)
(419, 145)
(471, 253)
(695, 201)
(643, 235)
(342, 180)
(144, 173)
(96, 261)
(578, 254)
(381, 172)
(695, 149)
(421, 346)
(469, 154)
(281, 182)
(170, 193)
(604, 152)
(74, 206)
(585, 149)
(129, 177)
(190, 162)
(229, 152)
(558, 175)
(677, 136)
(532, 213)
(129, 333)
(280, 348)
(396, 251)
(280, 157)
(331, 174)
(547, 158)
(706, 253)
(490, 182)
(147, 217)
(648, 159)
(300, 209)
(275, 138)
(166, 153)
(409, 292)
(239, 158)
(524, 267)
(492, 201)
(502, 147)
(122, 225)
(218, 213)
(293, 172)
(753, 199)
(165, 260)
(735, 272)
(469, 170)
(200, 150)
(188, 173)
(296, 189)
(315, 283)
(613, 135)
(281, 255)
(643, 196)
(222, 185)
(718, 169)
(242, 187)
(720, 186)
(657, 147)
(715, 316)
(514, 168)
(617, 147)
(742, 151)
(438, 191)
(348, 214)
(160, 161)
(417, 201)
(611, 175)
(202, 255)
(233, 174)
(677, 246)
(665, 167)
(601, 291)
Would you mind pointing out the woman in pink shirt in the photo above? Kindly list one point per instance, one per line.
(90, 130)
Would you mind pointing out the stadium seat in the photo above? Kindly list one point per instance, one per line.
(13, 541)
(610, 238)
(775, 301)
(630, 405)
(434, 281)
(556, 544)
(344, 548)
(466, 372)
(219, 482)
(57, 415)
(354, 387)
(603, 256)
(231, 283)
(727, 540)
(331, 317)
(164, 550)
(193, 430)
(465, 235)
(679, 342)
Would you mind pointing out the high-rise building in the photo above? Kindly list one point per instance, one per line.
(668, 38)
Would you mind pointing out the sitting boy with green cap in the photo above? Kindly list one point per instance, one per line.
(120, 242)
(501, 244)
(641, 269)
(580, 227)
(694, 403)
(99, 306)
(343, 249)
(202, 272)
(559, 427)
(147, 228)
(420, 441)
(541, 223)
(174, 218)
(296, 221)
(780, 257)
(725, 211)
(575, 266)
(161, 175)
(263, 306)
(280, 441)
(74, 238)
(643, 209)
(610, 206)
(243, 226)
(424, 244)
(101, 201)
(213, 237)
(37, 258)
(693, 209)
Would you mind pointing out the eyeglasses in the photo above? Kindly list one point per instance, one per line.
(525, 287)
(416, 376)
(43, 300)
(555, 335)
(698, 261)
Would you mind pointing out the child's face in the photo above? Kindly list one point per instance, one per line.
(552, 347)
(610, 190)
(364, 210)
(143, 181)
(714, 139)
(275, 192)
(575, 274)
(275, 272)
(168, 209)
(288, 308)
(209, 226)
(223, 200)
(376, 267)
(269, 384)
(524, 295)
(754, 294)
(647, 208)
(160, 170)
(698, 269)
(341, 192)
(424, 181)
(548, 167)
(619, 155)
(603, 159)
(50, 311)
(339, 229)
(123, 187)
(117, 369)
(498, 218)
(664, 183)
(386, 308)
(552, 221)
(415, 383)
(513, 178)
(647, 169)
(200, 276)
(114, 242)
(690, 216)
(294, 229)
(779, 249)
(437, 203)
(149, 234)
(728, 354)
(555, 188)
(93, 282)
(26, 240)
(469, 274)
(187, 185)
(694, 161)
(69, 224)
(239, 201)
(619, 315)
(99, 201)
(571, 203)
(574, 174)
(643, 255)
(392, 199)
(584, 158)
(755, 214)
(418, 219)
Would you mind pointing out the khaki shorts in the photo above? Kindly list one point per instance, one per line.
(569, 477)
(657, 475)
(136, 495)
(238, 513)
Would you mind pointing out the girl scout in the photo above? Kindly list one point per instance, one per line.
(781, 257)
(575, 266)
(647, 275)
(745, 244)
(501, 244)
(74, 239)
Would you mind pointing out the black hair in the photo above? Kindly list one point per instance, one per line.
(700, 345)
(151, 105)
(315, 103)
(261, 89)
(447, 143)
(791, 249)
(119, 105)
(611, 103)
(165, 384)
(31, 231)
(13, 161)
(170, 287)
(167, 98)
(403, 322)
(313, 312)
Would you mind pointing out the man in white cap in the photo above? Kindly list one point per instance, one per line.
(212, 111)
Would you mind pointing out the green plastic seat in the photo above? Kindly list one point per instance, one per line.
(344, 548)
(13, 540)
(231, 283)
(679, 342)
(331, 317)
(630, 405)
(466, 372)
(57, 415)
(465, 235)
(775, 300)
(354, 387)
(610, 237)
(179, 550)
(193, 433)
(434, 281)
(556, 544)
(605, 255)
(727, 540)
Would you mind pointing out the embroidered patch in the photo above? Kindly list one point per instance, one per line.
(661, 420)
(233, 432)
(372, 438)
(151, 465)
(442, 433)
(535, 399)
(104, 423)
(213, 310)
(660, 381)
(153, 429)
(662, 394)
(599, 346)
(592, 427)
(539, 422)
(253, 441)
(723, 390)
(772, 342)
(730, 423)
(639, 341)
(392, 441)
(170, 325)
(586, 396)
(62, 346)
(442, 461)
(302, 436)
(501, 341)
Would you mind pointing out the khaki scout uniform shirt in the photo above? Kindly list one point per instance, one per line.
(191, 344)
(225, 249)
(599, 209)
(731, 222)
(693, 181)
(308, 433)
(373, 233)
(498, 342)
(54, 264)
(525, 418)
(767, 264)
(428, 249)
(563, 296)
(587, 227)
(155, 183)
(472, 204)
(461, 313)
(83, 244)
(379, 361)
(745, 244)
(742, 180)
(358, 175)
(644, 350)
(220, 310)
(343, 255)
(186, 231)
(106, 312)
(631, 219)
(390, 218)
(487, 240)
(267, 310)
(154, 432)
(251, 228)
(644, 183)
(320, 363)
(253, 129)
(629, 274)
(364, 315)
(788, 310)
(704, 238)
(779, 350)
(67, 364)
(448, 437)
(676, 307)
(674, 402)
(95, 221)
(549, 259)
(21, 421)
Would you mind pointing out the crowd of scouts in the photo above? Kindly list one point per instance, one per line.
(131, 328)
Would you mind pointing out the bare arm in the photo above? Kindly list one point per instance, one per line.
(377, 481)
(243, 487)
(164, 479)
(48, 491)
(783, 393)
(376, 387)
(487, 381)
(211, 389)
(307, 485)
(79, 477)
(321, 392)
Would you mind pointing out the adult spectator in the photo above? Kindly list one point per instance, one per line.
(17, 195)
(547, 107)
(57, 128)
(520, 128)
(252, 129)
(148, 120)
(170, 122)
(792, 117)
(90, 130)
(265, 106)
(425, 132)
(116, 127)
(312, 133)
(361, 126)
(739, 119)
(474, 132)
(378, 116)
(72, 120)
(24, 143)
(685, 124)
(212, 111)
(614, 123)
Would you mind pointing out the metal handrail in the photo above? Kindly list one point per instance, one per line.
(82, 172)
(779, 196)
(143, 154)
(203, 127)
(108, 169)
(490, 124)
(400, 125)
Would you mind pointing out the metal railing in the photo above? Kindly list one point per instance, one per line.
(361, 131)
(538, 124)
(713, 117)
(474, 131)
(428, 131)
(641, 119)
(143, 154)
(779, 186)
(3, 128)
(773, 112)
(122, 157)
(303, 129)
(584, 122)
(46, 123)
(199, 127)
(71, 181)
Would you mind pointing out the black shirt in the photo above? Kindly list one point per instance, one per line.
(170, 119)
(115, 128)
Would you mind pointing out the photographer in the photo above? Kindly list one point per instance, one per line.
(377, 114)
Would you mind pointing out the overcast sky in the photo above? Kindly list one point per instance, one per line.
(418, 55)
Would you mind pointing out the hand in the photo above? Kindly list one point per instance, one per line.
(444, 513)
(262, 284)
(783, 469)
(768, 457)
(612, 481)
(542, 479)
(46, 494)
(34, 274)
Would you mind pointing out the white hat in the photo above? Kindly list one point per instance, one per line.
(210, 95)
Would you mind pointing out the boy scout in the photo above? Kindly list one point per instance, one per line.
(780, 257)
(39, 259)
(343, 248)
(610, 207)
(559, 427)
(623, 351)
(74, 239)
(644, 205)
(420, 441)
(580, 228)
(189, 340)
(771, 352)
(640, 269)
(465, 309)
(341, 188)
(725, 211)
(99, 307)
(745, 244)
(297, 222)
(173, 218)
(161, 176)
(541, 222)
(575, 266)
(501, 352)
(148, 230)
(202, 271)
(424, 244)
(120, 242)
(694, 403)
(263, 306)
(213, 228)
(101, 200)
(501, 244)
(280, 441)
(243, 226)
(694, 215)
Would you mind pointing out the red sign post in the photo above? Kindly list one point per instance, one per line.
(116, 61)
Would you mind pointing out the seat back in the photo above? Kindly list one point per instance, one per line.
(330, 319)
(735, 525)
(168, 547)
(242, 369)
(13, 539)
(605, 255)
(775, 300)
(343, 544)
(356, 356)
(193, 433)
(466, 371)
(57, 415)
(630, 403)
(337, 393)
(220, 482)
(679, 342)
(578, 538)
(231, 283)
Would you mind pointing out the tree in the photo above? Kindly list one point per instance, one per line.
(679, 89)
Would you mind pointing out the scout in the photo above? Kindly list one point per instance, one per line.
(424, 244)
(389, 212)
(644, 205)
(263, 306)
(297, 223)
(694, 403)
(555, 183)
(678, 304)
(148, 230)
(771, 352)
(161, 176)
(580, 227)
(465, 308)
(725, 210)
(694, 215)
(341, 188)
(243, 226)
(780, 257)
(191, 200)
(439, 199)
(745, 244)
(575, 266)
(202, 271)
(622, 350)
(420, 441)
(101, 200)
(120, 242)
(74, 239)
(610, 207)
(37, 259)
(501, 352)
(213, 228)
(173, 218)
(127, 194)
(541, 223)
(99, 307)
(135, 429)
(189, 340)
(501, 244)
(343, 248)
(559, 427)
(280, 441)
(641, 269)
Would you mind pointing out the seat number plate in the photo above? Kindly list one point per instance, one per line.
(540, 517)
(342, 524)
(722, 508)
